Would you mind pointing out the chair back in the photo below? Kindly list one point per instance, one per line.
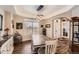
(50, 46)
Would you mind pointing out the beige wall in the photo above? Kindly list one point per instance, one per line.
(75, 11)
(23, 32)
(8, 22)
(50, 31)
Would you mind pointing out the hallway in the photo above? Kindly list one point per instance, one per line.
(24, 48)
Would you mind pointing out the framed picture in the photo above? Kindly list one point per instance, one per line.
(47, 25)
(1, 20)
(19, 25)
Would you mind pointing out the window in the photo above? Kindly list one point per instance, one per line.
(1, 19)
(31, 26)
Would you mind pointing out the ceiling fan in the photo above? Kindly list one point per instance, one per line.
(40, 7)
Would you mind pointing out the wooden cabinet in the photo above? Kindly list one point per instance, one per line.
(75, 30)
(7, 47)
(17, 38)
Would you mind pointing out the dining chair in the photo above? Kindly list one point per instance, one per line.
(50, 46)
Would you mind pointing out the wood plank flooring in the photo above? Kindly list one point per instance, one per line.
(75, 49)
(23, 48)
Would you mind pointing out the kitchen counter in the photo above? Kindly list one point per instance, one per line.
(6, 45)
(4, 39)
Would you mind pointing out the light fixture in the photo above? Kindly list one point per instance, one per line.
(40, 16)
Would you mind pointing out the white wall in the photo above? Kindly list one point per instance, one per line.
(75, 11)
(8, 22)
(23, 32)
(50, 31)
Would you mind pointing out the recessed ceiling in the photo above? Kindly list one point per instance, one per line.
(31, 10)
(47, 11)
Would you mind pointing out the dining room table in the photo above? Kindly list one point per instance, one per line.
(38, 45)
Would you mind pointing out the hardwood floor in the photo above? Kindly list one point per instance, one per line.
(75, 49)
(23, 48)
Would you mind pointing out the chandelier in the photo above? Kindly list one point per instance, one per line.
(39, 17)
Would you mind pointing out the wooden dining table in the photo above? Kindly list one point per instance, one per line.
(39, 44)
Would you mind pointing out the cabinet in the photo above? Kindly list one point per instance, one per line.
(17, 38)
(75, 30)
(62, 27)
(57, 28)
(7, 47)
